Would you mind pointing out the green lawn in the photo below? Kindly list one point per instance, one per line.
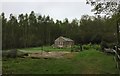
(86, 62)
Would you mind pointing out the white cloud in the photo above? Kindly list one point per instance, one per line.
(56, 10)
(43, 0)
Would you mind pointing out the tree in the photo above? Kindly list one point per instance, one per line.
(105, 6)
(32, 28)
(29, 30)
(108, 7)
(4, 25)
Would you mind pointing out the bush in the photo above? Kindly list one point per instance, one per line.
(76, 48)
(91, 46)
(87, 47)
(97, 47)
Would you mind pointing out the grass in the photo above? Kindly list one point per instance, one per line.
(50, 48)
(86, 62)
(44, 48)
(97, 62)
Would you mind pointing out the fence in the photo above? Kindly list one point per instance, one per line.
(117, 59)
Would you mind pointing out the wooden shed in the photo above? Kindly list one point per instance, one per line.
(63, 42)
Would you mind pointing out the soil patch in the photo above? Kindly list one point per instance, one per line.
(52, 55)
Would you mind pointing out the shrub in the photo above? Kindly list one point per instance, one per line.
(87, 47)
(76, 48)
(97, 47)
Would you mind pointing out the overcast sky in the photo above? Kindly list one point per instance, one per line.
(57, 9)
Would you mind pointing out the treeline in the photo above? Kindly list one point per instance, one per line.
(29, 30)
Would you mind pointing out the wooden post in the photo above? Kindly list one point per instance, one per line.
(118, 39)
(118, 42)
(117, 36)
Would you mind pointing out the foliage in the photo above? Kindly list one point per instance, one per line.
(76, 48)
(111, 8)
(87, 47)
(105, 6)
(33, 31)
(91, 46)
(95, 46)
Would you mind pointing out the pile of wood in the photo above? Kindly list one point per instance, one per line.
(109, 50)
(13, 53)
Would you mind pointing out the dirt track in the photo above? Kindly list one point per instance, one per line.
(52, 55)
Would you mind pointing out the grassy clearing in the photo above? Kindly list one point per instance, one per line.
(44, 48)
(97, 62)
(50, 48)
(86, 62)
